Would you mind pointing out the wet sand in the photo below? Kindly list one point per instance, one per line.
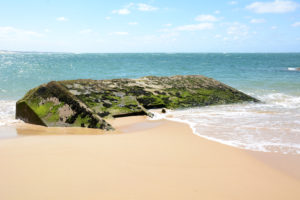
(141, 160)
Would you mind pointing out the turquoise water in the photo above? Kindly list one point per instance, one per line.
(247, 72)
(272, 126)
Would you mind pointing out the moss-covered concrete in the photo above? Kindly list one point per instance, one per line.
(87, 103)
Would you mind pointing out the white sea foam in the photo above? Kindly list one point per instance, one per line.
(294, 69)
(272, 126)
(7, 113)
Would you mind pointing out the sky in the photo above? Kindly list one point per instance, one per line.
(96, 26)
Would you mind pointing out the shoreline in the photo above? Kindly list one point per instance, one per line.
(142, 160)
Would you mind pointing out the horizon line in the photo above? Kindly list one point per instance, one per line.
(157, 52)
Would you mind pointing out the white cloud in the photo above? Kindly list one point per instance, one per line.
(8, 32)
(62, 19)
(86, 31)
(133, 23)
(217, 12)
(145, 7)
(257, 21)
(273, 27)
(232, 2)
(108, 18)
(206, 18)
(237, 31)
(131, 6)
(218, 36)
(277, 6)
(296, 24)
(164, 30)
(171, 35)
(195, 27)
(123, 11)
(120, 33)
(167, 25)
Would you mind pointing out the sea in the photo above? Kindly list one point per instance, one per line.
(271, 126)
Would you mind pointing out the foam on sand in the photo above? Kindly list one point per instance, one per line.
(272, 126)
(7, 113)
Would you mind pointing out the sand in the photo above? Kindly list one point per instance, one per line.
(142, 160)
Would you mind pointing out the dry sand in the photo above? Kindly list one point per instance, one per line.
(142, 160)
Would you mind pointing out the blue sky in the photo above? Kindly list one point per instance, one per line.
(150, 26)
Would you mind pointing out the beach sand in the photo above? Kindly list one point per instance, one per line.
(141, 160)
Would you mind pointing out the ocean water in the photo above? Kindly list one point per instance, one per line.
(273, 125)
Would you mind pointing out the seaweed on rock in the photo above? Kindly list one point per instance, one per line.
(87, 103)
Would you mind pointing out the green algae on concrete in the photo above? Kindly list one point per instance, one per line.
(53, 105)
(87, 103)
